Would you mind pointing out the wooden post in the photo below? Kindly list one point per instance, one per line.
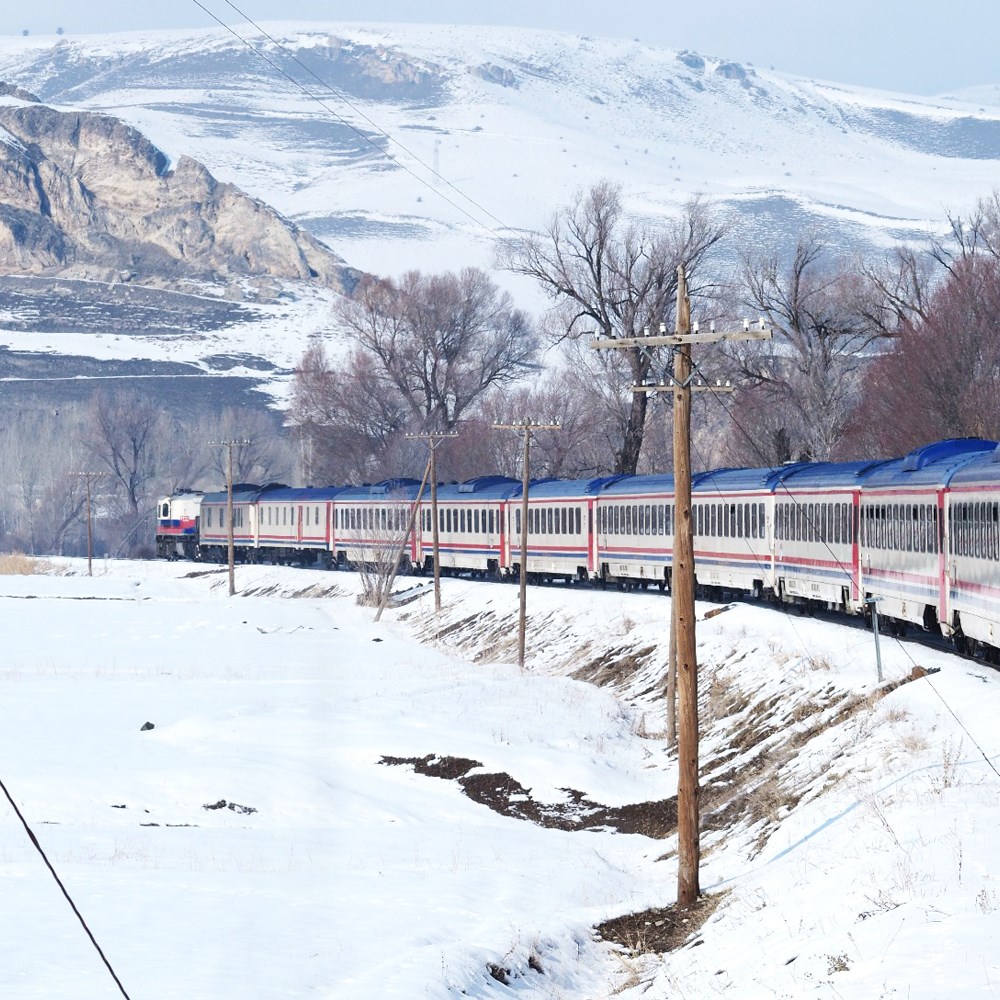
(435, 534)
(522, 615)
(682, 641)
(229, 445)
(88, 477)
(688, 849)
(527, 427)
(433, 440)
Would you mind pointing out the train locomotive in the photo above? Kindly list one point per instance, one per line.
(916, 537)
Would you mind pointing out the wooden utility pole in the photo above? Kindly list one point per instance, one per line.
(229, 445)
(682, 595)
(527, 428)
(682, 588)
(433, 440)
(89, 477)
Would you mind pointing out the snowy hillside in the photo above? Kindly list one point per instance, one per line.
(325, 806)
(419, 146)
(516, 120)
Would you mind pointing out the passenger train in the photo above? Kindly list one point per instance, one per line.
(919, 536)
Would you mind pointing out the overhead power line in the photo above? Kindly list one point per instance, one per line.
(493, 230)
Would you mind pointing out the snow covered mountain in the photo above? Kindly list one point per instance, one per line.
(416, 146)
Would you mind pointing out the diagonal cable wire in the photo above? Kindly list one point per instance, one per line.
(69, 899)
(500, 224)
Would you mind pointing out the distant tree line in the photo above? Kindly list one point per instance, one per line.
(141, 453)
(872, 355)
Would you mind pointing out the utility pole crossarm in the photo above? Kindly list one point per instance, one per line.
(679, 340)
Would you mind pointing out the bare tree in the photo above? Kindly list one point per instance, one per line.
(263, 458)
(441, 340)
(122, 438)
(348, 418)
(895, 289)
(940, 380)
(809, 373)
(607, 275)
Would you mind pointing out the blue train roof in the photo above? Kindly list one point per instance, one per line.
(552, 489)
(388, 489)
(983, 468)
(824, 475)
(481, 489)
(300, 494)
(242, 493)
(639, 485)
(933, 465)
(744, 480)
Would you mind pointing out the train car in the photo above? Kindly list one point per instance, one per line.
(296, 525)
(472, 527)
(733, 512)
(635, 531)
(903, 533)
(214, 524)
(970, 599)
(370, 522)
(817, 559)
(177, 518)
(562, 541)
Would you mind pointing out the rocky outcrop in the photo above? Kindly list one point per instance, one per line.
(84, 195)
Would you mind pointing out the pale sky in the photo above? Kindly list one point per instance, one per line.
(916, 46)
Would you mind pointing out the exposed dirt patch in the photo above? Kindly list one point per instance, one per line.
(614, 666)
(659, 930)
(508, 797)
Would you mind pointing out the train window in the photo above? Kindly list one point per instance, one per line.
(564, 517)
(547, 521)
(489, 522)
(447, 520)
(578, 521)
(713, 520)
(517, 521)
(475, 520)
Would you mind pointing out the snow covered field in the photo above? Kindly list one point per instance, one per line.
(849, 839)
